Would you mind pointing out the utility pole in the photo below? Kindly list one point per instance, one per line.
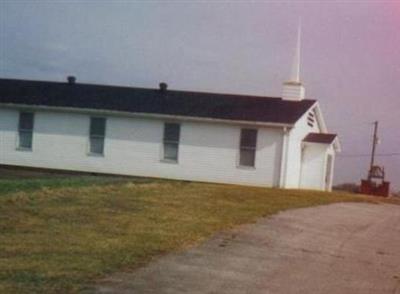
(374, 142)
(375, 172)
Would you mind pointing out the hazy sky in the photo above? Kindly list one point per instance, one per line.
(350, 55)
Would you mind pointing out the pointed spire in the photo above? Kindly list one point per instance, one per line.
(294, 89)
(295, 75)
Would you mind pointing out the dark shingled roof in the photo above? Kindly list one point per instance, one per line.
(320, 138)
(154, 101)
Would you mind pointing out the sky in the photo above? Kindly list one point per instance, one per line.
(350, 59)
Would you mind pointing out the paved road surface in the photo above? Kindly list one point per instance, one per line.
(340, 248)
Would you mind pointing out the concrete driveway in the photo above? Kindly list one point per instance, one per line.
(339, 248)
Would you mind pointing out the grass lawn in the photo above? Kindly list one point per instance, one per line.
(62, 234)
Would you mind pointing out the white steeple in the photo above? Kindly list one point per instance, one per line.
(293, 89)
(295, 77)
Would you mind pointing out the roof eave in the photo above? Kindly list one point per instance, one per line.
(320, 117)
(145, 115)
(335, 143)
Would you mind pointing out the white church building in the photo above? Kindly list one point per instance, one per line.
(222, 138)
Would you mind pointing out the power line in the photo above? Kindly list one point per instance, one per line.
(363, 155)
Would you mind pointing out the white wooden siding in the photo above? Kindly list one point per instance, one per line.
(296, 135)
(133, 146)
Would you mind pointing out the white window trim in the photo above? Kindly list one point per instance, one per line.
(247, 167)
(88, 152)
(18, 147)
(163, 141)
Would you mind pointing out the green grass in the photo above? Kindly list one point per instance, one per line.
(8, 186)
(61, 235)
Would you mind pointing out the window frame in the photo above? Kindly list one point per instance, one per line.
(26, 131)
(96, 136)
(169, 141)
(247, 148)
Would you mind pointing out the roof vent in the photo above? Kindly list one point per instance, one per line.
(71, 80)
(163, 87)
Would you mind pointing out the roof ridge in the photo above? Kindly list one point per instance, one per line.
(149, 89)
(143, 100)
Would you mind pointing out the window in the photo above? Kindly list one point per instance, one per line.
(248, 142)
(25, 130)
(171, 141)
(97, 134)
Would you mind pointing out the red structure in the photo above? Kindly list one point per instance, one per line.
(376, 188)
(371, 188)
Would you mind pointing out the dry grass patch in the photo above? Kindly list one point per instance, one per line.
(58, 239)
